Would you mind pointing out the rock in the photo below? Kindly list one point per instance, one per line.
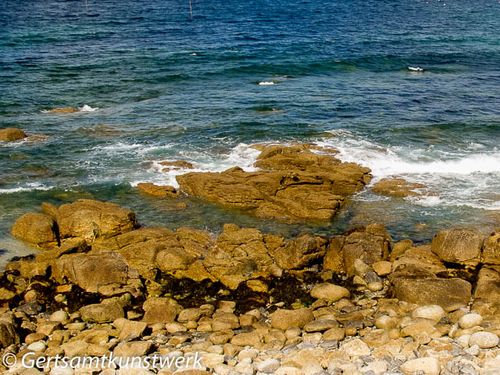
(60, 316)
(62, 110)
(37, 347)
(382, 268)
(370, 245)
(104, 273)
(106, 311)
(470, 320)
(484, 340)
(252, 339)
(239, 254)
(417, 262)
(132, 349)
(35, 228)
(11, 134)
(397, 187)
(175, 165)
(129, 329)
(487, 295)
(8, 332)
(336, 334)
(355, 348)
(424, 365)
(296, 253)
(285, 319)
(90, 219)
(459, 246)
(268, 366)
(159, 191)
(430, 312)
(330, 292)
(450, 294)
(491, 250)
(320, 325)
(293, 183)
(160, 310)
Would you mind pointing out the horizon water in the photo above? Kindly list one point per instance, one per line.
(153, 85)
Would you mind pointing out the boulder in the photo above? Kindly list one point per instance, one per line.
(417, 262)
(487, 295)
(8, 331)
(369, 245)
(160, 310)
(105, 273)
(35, 228)
(91, 219)
(491, 250)
(459, 246)
(238, 255)
(285, 319)
(293, 184)
(159, 191)
(397, 188)
(450, 294)
(299, 252)
(11, 134)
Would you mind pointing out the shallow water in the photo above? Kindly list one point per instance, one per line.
(167, 88)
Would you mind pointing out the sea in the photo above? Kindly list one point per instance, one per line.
(407, 88)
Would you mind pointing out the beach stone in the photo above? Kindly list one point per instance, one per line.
(11, 134)
(330, 292)
(90, 219)
(334, 334)
(484, 340)
(470, 320)
(424, 365)
(252, 339)
(158, 191)
(430, 312)
(37, 346)
(382, 267)
(355, 348)
(160, 310)
(320, 325)
(106, 311)
(129, 329)
(450, 294)
(285, 319)
(268, 366)
(397, 188)
(60, 316)
(35, 228)
(132, 349)
(292, 183)
(460, 246)
(289, 370)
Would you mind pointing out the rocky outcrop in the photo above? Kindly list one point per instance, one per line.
(11, 134)
(158, 191)
(293, 183)
(397, 188)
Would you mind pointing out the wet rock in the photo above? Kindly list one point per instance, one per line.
(294, 183)
(11, 134)
(62, 110)
(330, 292)
(35, 228)
(175, 165)
(458, 246)
(159, 191)
(90, 219)
(285, 319)
(397, 187)
(450, 294)
(160, 310)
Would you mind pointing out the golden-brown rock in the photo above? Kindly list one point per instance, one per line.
(397, 187)
(159, 191)
(11, 134)
(293, 183)
(35, 228)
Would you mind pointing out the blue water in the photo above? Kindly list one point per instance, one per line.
(166, 87)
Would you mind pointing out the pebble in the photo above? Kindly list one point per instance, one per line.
(484, 340)
(470, 320)
(268, 366)
(424, 366)
(330, 292)
(59, 316)
(356, 348)
(430, 312)
(37, 346)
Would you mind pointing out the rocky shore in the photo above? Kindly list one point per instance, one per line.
(247, 301)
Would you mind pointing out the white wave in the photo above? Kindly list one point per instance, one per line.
(27, 187)
(87, 108)
(417, 69)
(243, 156)
(266, 83)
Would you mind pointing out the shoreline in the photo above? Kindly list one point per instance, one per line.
(251, 301)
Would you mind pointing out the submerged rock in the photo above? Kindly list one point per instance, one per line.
(159, 191)
(11, 134)
(397, 187)
(293, 184)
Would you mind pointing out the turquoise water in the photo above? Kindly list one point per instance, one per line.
(159, 86)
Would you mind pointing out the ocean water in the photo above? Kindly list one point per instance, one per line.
(153, 84)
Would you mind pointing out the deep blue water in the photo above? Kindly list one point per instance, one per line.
(167, 87)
